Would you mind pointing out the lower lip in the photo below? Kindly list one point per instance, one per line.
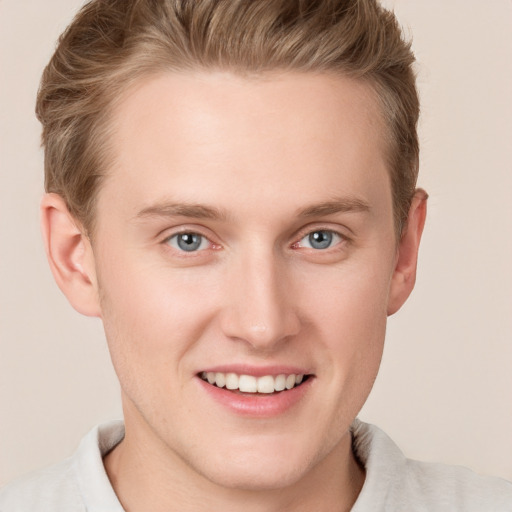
(257, 405)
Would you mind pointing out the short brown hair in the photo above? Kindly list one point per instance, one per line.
(112, 43)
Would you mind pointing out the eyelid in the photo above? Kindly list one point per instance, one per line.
(169, 232)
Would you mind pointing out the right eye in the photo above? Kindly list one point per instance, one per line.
(188, 242)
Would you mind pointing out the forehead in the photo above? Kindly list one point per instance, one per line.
(271, 136)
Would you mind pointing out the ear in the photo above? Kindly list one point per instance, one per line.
(70, 255)
(404, 275)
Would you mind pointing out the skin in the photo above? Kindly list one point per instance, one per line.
(260, 153)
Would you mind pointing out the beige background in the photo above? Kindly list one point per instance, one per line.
(445, 389)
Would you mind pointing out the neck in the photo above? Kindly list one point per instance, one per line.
(147, 476)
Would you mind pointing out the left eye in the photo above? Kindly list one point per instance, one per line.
(321, 239)
(188, 242)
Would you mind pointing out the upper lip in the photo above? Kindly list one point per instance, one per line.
(257, 371)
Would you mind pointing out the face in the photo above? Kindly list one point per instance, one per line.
(245, 236)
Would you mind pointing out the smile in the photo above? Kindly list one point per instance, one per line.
(250, 384)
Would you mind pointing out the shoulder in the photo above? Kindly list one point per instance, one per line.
(77, 484)
(52, 489)
(456, 488)
(396, 483)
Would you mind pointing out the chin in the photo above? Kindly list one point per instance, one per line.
(263, 467)
(260, 476)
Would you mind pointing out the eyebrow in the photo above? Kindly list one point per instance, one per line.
(196, 211)
(200, 211)
(337, 205)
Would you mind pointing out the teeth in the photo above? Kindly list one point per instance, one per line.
(247, 384)
(280, 383)
(231, 381)
(220, 380)
(251, 384)
(266, 384)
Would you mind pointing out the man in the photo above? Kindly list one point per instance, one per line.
(231, 188)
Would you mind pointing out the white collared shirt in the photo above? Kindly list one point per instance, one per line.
(393, 483)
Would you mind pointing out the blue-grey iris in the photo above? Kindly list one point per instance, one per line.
(189, 241)
(320, 239)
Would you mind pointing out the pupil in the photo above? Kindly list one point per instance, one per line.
(320, 239)
(189, 241)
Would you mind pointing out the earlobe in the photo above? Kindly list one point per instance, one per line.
(70, 255)
(404, 275)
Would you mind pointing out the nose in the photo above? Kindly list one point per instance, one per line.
(259, 304)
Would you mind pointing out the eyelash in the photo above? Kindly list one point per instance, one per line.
(342, 240)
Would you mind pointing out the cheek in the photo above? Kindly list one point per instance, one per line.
(351, 300)
(351, 316)
(152, 317)
(146, 296)
(346, 312)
